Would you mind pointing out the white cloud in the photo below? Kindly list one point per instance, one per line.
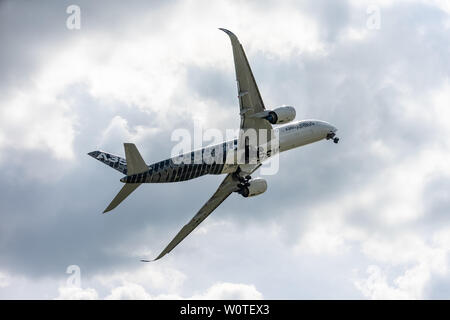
(37, 120)
(321, 239)
(218, 291)
(376, 286)
(440, 4)
(374, 220)
(161, 281)
(166, 283)
(394, 196)
(420, 262)
(155, 276)
(226, 290)
(144, 283)
(76, 293)
(119, 130)
(128, 291)
(409, 285)
(4, 280)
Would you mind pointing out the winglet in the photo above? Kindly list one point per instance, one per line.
(159, 257)
(229, 33)
(226, 31)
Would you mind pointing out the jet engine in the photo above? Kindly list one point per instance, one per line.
(253, 187)
(281, 115)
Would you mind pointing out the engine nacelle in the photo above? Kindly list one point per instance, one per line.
(281, 115)
(253, 187)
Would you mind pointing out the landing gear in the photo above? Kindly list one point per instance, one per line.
(243, 186)
(242, 180)
(331, 135)
(243, 183)
(243, 189)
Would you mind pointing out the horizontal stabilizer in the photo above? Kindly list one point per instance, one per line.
(112, 160)
(123, 193)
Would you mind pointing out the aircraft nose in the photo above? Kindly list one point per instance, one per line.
(329, 128)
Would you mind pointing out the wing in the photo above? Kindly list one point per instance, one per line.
(250, 101)
(225, 189)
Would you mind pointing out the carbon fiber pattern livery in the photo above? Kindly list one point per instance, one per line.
(115, 162)
(160, 173)
(167, 170)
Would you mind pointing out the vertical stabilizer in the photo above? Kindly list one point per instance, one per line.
(135, 164)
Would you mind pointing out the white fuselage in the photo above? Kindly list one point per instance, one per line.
(300, 133)
(295, 134)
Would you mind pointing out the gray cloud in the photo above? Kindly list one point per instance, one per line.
(51, 207)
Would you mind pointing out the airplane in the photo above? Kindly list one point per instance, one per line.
(238, 158)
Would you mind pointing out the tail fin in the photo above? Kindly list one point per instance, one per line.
(135, 164)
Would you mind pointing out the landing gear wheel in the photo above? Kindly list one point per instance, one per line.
(336, 140)
(330, 135)
(243, 183)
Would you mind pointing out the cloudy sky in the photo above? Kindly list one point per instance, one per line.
(368, 218)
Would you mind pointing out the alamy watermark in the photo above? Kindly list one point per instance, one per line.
(73, 21)
(237, 147)
(373, 21)
(74, 280)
